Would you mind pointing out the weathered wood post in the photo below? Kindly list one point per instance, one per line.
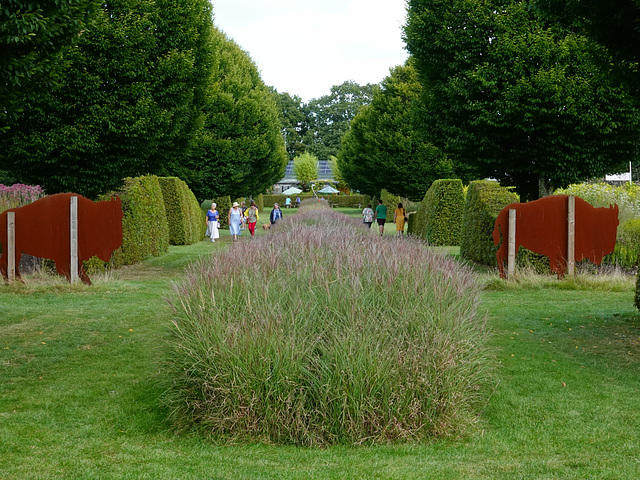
(11, 246)
(73, 223)
(511, 255)
(571, 235)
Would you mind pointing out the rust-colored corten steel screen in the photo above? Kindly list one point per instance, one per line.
(42, 229)
(542, 227)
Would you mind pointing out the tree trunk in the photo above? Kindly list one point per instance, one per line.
(545, 187)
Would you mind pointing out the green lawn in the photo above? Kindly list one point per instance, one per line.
(79, 398)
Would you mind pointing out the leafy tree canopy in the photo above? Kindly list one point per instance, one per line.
(526, 101)
(128, 101)
(305, 168)
(240, 151)
(328, 117)
(382, 149)
(612, 23)
(32, 35)
(293, 118)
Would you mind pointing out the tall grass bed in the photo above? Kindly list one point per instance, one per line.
(322, 333)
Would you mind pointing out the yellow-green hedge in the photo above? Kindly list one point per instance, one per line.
(184, 216)
(145, 231)
(485, 200)
(440, 213)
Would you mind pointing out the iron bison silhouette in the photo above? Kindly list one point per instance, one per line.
(42, 229)
(541, 226)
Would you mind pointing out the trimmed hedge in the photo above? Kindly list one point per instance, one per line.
(444, 204)
(418, 221)
(485, 199)
(183, 212)
(145, 231)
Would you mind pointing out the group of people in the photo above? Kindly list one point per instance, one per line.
(288, 204)
(239, 216)
(380, 216)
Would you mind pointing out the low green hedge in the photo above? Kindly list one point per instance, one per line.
(184, 216)
(485, 199)
(346, 201)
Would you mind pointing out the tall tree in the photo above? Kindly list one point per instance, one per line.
(240, 151)
(612, 23)
(382, 149)
(129, 100)
(32, 36)
(305, 168)
(293, 119)
(522, 100)
(328, 117)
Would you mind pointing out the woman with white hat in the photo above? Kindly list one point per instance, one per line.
(235, 220)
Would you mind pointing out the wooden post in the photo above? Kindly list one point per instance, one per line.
(73, 235)
(571, 236)
(11, 246)
(511, 257)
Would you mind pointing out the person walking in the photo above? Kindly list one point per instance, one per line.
(380, 216)
(235, 220)
(211, 219)
(399, 218)
(243, 209)
(367, 215)
(276, 214)
(252, 217)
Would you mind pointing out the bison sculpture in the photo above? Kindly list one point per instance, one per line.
(43, 229)
(542, 227)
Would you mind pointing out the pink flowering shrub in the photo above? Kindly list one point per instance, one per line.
(18, 195)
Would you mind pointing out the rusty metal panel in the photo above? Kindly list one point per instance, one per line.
(542, 227)
(42, 229)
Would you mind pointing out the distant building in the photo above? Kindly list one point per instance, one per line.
(324, 175)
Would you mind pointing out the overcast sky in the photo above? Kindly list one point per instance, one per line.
(304, 47)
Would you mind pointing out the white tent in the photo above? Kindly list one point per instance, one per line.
(328, 189)
(292, 191)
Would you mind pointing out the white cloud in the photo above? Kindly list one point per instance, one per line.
(305, 47)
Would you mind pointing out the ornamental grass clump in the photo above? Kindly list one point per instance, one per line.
(321, 333)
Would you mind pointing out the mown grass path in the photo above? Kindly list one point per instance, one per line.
(78, 394)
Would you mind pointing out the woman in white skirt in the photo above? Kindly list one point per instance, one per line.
(212, 223)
